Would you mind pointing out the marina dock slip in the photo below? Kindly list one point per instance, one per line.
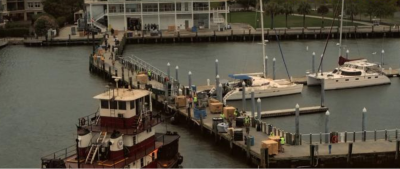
(373, 148)
(349, 32)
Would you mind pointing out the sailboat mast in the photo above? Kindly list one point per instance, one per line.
(341, 29)
(262, 36)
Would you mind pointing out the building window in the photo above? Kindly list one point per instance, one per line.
(37, 4)
(104, 104)
(122, 105)
(132, 104)
(30, 4)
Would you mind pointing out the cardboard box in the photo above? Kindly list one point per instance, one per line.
(229, 112)
(212, 100)
(216, 107)
(271, 145)
(81, 34)
(180, 101)
(142, 78)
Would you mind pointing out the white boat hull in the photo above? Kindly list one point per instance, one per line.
(349, 82)
(270, 92)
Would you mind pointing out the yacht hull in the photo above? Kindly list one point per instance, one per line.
(312, 80)
(272, 92)
(354, 82)
(348, 82)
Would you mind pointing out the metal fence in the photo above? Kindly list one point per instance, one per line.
(344, 137)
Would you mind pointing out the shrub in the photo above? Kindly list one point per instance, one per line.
(44, 23)
(14, 32)
(11, 25)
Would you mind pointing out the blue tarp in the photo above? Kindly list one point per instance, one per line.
(240, 77)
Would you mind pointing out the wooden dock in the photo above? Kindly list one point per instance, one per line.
(363, 152)
(291, 112)
(376, 152)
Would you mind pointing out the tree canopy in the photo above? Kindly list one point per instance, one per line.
(62, 8)
(44, 23)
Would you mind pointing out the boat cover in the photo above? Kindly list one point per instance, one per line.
(240, 77)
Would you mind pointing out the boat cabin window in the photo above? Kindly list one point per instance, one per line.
(132, 104)
(351, 73)
(113, 105)
(122, 105)
(335, 71)
(104, 104)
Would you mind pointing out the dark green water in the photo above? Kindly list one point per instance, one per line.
(45, 90)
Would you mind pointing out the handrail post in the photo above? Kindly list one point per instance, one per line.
(320, 138)
(375, 135)
(354, 136)
(386, 135)
(345, 136)
(310, 138)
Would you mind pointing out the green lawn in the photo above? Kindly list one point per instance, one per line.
(279, 21)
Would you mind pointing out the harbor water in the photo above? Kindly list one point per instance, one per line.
(45, 90)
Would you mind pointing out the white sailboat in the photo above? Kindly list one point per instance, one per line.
(258, 82)
(350, 73)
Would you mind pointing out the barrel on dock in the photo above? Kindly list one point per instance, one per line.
(251, 140)
(239, 121)
(216, 121)
(222, 128)
(238, 135)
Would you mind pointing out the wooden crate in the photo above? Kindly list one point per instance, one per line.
(216, 108)
(142, 78)
(229, 112)
(180, 101)
(271, 145)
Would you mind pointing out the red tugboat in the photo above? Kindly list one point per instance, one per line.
(121, 134)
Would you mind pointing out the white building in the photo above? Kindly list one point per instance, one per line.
(168, 14)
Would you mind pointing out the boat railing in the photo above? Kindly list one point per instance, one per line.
(352, 137)
(89, 120)
(61, 154)
(121, 161)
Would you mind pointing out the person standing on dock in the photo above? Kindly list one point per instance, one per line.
(149, 73)
(247, 124)
(195, 100)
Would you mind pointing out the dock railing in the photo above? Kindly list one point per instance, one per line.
(353, 136)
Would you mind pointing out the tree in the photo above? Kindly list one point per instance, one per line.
(378, 8)
(44, 23)
(352, 9)
(62, 8)
(287, 9)
(304, 9)
(272, 9)
(322, 10)
(247, 3)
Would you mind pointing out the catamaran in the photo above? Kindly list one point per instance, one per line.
(258, 82)
(350, 73)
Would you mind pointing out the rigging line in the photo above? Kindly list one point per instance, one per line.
(283, 57)
(327, 39)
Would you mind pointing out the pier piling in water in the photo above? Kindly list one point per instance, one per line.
(216, 67)
(327, 127)
(313, 63)
(266, 66)
(273, 68)
(243, 96)
(297, 123)
(253, 108)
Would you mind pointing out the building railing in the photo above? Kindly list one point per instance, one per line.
(201, 8)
